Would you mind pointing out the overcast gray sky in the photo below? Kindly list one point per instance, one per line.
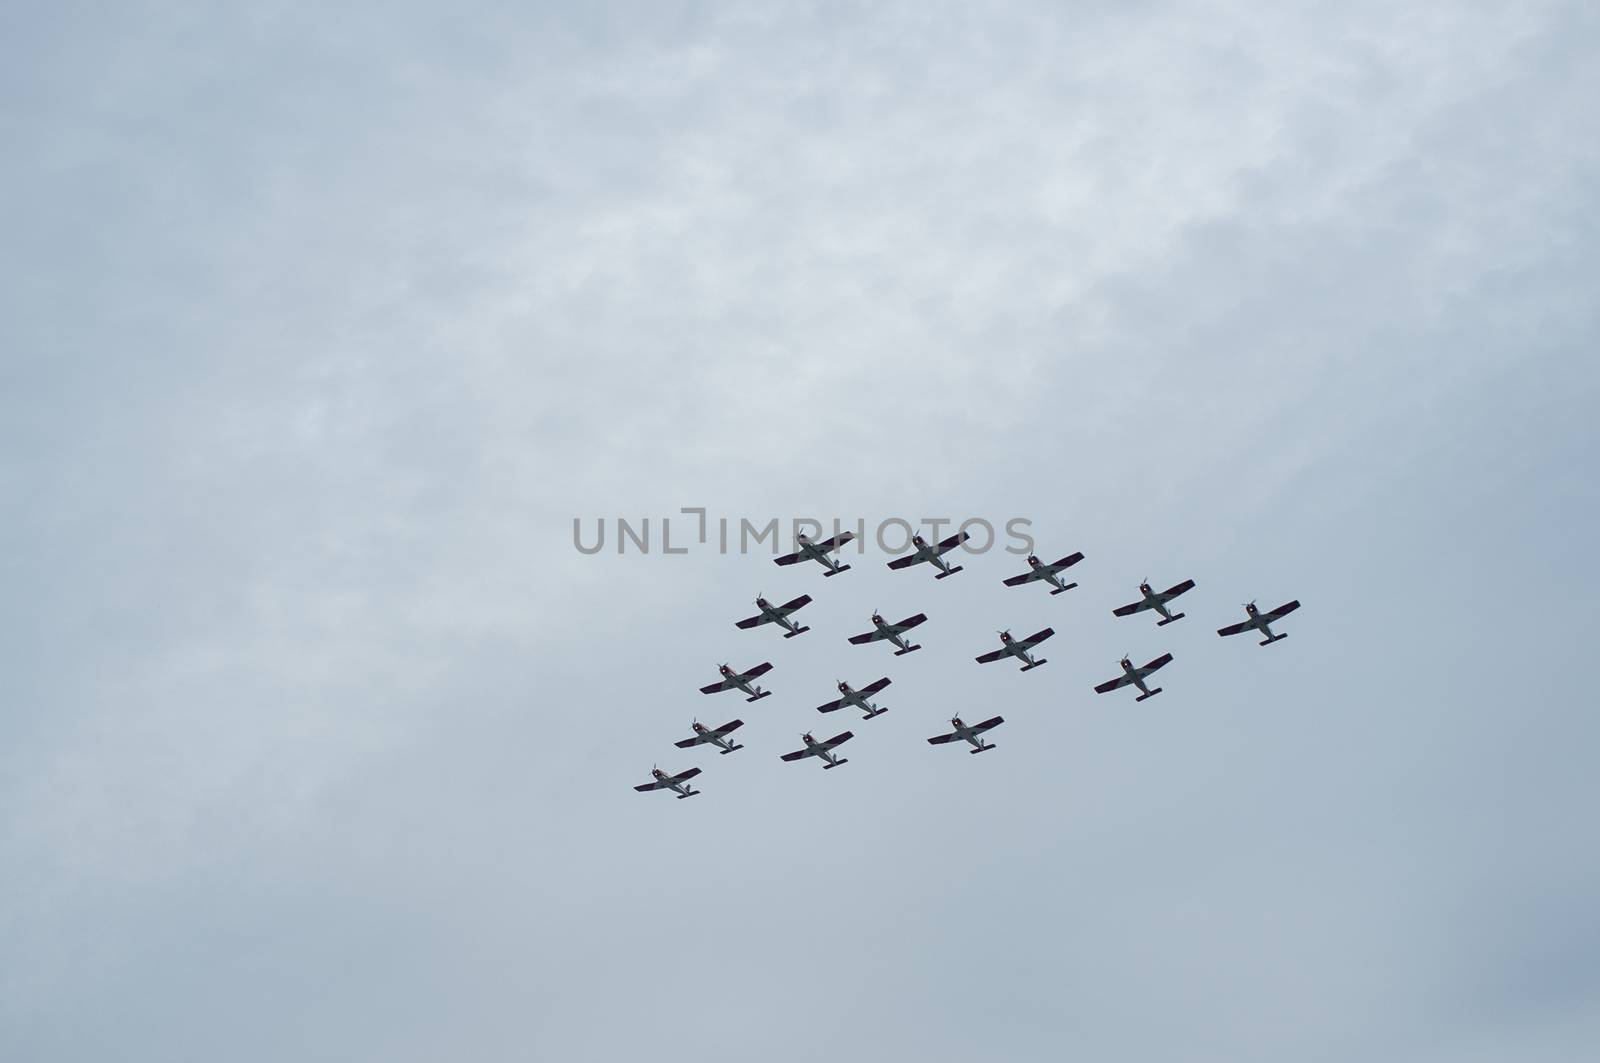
(319, 325)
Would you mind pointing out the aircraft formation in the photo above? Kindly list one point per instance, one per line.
(1021, 650)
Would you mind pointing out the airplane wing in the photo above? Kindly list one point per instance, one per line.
(910, 622)
(836, 542)
(728, 728)
(954, 541)
(1129, 610)
(726, 684)
(873, 688)
(761, 669)
(839, 739)
(939, 740)
(799, 754)
(656, 785)
(692, 741)
(866, 637)
(1155, 665)
(1234, 629)
(788, 607)
(1027, 577)
(907, 561)
(1281, 612)
(1068, 561)
(684, 776)
(1038, 637)
(747, 624)
(995, 721)
(994, 655)
(832, 706)
(789, 559)
(1112, 684)
(1177, 589)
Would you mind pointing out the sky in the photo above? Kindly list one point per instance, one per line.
(320, 327)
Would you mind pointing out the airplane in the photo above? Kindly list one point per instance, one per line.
(1260, 622)
(1049, 573)
(892, 632)
(779, 615)
(679, 784)
(1010, 647)
(963, 733)
(932, 554)
(1158, 602)
(718, 737)
(810, 551)
(732, 680)
(821, 749)
(858, 698)
(1136, 676)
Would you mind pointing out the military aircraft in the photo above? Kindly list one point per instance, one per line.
(716, 736)
(1260, 621)
(771, 614)
(821, 749)
(932, 554)
(1158, 602)
(858, 698)
(1136, 676)
(1049, 573)
(679, 784)
(892, 632)
(732, 680)
(964, 733)
(810, 551)
(1010, 647)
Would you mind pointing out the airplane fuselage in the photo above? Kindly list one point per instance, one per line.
(724, 744)
(1261, 624)
(680, 788)
(1017, 649)
(969, 736)
(813, 552)
(774, 617)
(827, 756)
(931, 555)
(742, 684)
(889, 633)
(1049, 575)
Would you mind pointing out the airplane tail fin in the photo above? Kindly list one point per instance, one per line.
(796, 631)
(836, 571)
(950, 572)
(1170, 619)
(1152, 694)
